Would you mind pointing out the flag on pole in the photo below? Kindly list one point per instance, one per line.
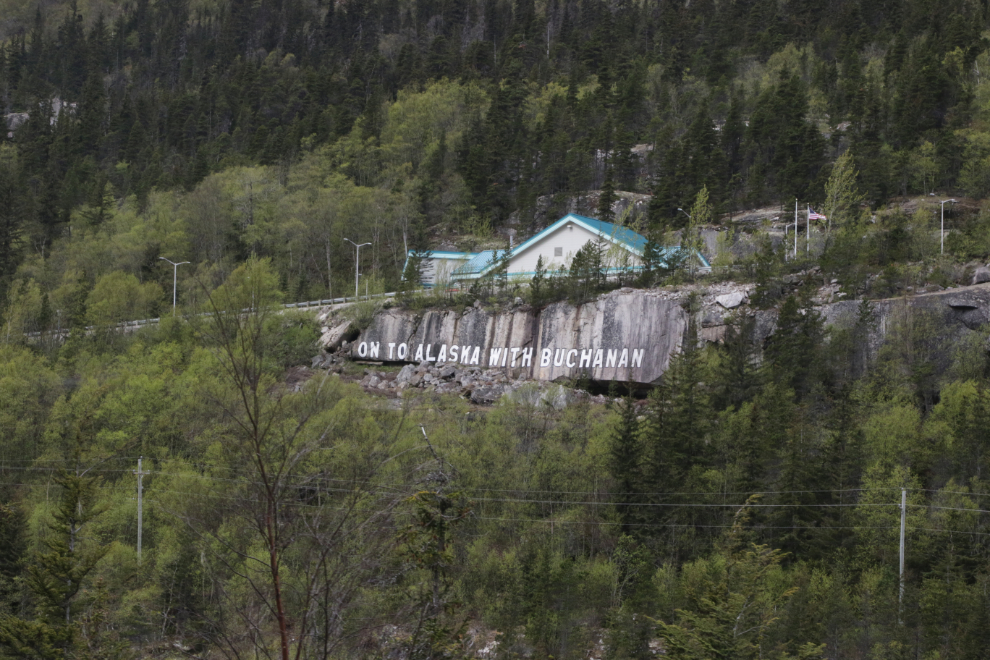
(815, 216)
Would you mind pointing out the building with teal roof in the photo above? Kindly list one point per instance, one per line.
(556, 245)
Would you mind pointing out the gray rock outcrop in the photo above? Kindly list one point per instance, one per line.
(626, 335)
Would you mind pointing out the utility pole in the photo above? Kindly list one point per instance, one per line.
(900, 598)
(795, 228)
(140, 476)
(942, 230)
(357, 263)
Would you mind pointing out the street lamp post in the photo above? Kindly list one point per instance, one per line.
(357, 263)
(686, 238)
(175, 275)
(942, 231)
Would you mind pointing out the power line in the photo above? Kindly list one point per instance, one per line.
(384, 489)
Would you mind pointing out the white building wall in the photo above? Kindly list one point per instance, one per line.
(570, 238)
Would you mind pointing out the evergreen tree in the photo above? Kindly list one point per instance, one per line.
(538, 284)
(13, 209)
(676, 444)
(739, 372)
(58, 573)
(795, 348)
(625, 465)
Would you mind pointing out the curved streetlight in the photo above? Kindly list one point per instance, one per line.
(357, 263)
(942, 231)
(685, 213)
(175, 275)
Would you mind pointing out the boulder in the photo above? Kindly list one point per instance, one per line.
(405, 374)
(982, 275)
(334, 336)
(731, 300)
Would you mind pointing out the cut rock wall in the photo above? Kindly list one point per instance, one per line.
(627, 335)
(649, 325)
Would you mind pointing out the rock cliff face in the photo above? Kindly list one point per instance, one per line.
(630, 335)
(626, 335)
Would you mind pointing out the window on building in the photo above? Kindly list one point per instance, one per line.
(558, 252)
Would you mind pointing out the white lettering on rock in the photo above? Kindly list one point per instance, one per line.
(512, 357)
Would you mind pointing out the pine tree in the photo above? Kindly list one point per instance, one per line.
(13, 209)
(58, 573)
(676, 442)
(625, 465)
(739, 373)
(794, 349)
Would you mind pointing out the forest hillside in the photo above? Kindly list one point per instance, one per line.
(750, 505)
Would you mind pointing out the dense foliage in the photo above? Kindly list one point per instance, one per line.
(453, 117)
(749, 507)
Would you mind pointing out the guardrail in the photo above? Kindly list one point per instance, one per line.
(138, 323)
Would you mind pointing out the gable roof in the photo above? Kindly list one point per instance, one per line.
(617, 234)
